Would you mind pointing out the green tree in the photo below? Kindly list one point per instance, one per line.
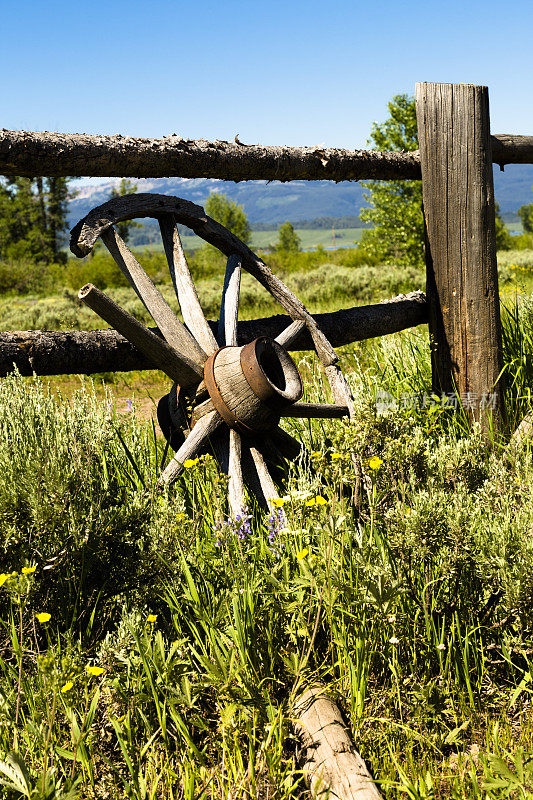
(229, 214)
(526, 217)
(33, 218)
(288, 239)
(395, 212)
(504, 240)
(125, 187)
(56, 216)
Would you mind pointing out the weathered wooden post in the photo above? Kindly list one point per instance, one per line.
(462, 277)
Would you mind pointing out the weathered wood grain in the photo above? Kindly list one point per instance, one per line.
(229, 307)
(288, 336)
(234, 399)
(99, 219)
(89, 352)
(342, 394)
(462, 277)
(31, 154)
(316, 411)
(177, 366)
(175, 333)
(268, 487)
(79, 154)
(332, 767)
(191, 310)
(508, 148)
(236, 498)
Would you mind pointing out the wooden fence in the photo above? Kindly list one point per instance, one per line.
(455, 165)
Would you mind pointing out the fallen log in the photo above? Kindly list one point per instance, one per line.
(89, 352)
(32, 154)
(332, 766)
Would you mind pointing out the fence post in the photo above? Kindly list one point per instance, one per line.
(462, 276)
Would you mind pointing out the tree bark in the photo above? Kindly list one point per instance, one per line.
(89, 352)
(79, 154)
(462, 275)
(30, 154)
(510, 149)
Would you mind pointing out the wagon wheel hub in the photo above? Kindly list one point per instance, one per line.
(224, 396)
(249, 386)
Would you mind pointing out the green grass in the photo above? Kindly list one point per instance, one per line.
(262, 240)
(409, 597)
(324, 280)
(175, 647)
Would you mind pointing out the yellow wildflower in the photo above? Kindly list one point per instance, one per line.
(277, 502)
(301, 554)
(3, 578)
(44, 616)
(96, 671)
(316, 501)
(375, 462)
(67, 687)
(14, 574)
(28, 570)
(151, 618)
(190, 462)
(336, 456)
(316, 454)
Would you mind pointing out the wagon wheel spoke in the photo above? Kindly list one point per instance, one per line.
(234, 396)
(340, 387)
(287, 336)
(177, 366)
(317, 411)
(227, 335)
(175, 333)
(268, 487)
(205, 428)
(236, 498)
(184, 287)
(229, 306)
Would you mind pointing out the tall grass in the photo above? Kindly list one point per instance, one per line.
(174, 646)
(151, 649)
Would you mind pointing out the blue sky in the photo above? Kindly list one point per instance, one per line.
(275, 73)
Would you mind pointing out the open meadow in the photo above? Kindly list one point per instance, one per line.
(151, 647)
(261, 240)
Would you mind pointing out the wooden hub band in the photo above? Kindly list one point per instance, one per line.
(249, 386)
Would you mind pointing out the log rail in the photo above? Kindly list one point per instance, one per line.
(32, 154)
(89, 352)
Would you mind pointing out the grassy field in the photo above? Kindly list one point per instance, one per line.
(310, 239)
(152, 647)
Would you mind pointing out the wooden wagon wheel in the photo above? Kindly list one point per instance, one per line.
(230, 395)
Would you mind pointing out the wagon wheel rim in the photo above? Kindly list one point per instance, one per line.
(188, 350)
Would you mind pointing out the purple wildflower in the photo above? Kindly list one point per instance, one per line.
(240, 525)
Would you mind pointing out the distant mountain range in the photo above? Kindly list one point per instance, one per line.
(276, 202)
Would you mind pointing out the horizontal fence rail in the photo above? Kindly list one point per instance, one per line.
(82, 155)
(89, 352)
